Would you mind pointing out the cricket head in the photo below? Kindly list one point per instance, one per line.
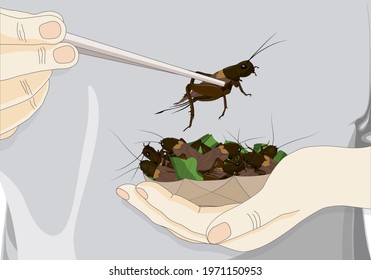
(240, 70)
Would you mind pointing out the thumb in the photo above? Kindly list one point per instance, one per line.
(18, 29)
(253, 224)
(249, 230)
(265, 234)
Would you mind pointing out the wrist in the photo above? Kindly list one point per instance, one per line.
(346, 180)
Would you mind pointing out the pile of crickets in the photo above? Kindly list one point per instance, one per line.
(207, 159)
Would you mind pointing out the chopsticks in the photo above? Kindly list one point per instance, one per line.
(96, 49)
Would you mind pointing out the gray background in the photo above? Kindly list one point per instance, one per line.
(317, 81)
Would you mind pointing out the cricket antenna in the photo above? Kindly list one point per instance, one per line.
(148, 141)
(301, 138)
(260, 49)
(123, 144)
(135, 168)
(135, 157)
(237, 139)
(147, 131)
(249, 147)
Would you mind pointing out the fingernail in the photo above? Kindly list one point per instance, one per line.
(142, 193)
(65, 54)
(123, 194)
(219, 233)
(50, 30)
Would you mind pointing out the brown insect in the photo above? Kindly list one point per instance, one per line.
(156, 161)
(254, 160)
(204, 91)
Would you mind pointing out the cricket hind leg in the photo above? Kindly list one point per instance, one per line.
(190, 102)
(188, 96)
(184, 98)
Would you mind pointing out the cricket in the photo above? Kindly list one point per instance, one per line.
(205, 92)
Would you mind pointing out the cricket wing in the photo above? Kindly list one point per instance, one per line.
(198, 96)
(183, 103)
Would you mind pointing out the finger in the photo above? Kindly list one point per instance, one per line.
(129, 193)
(265, 234)
(19, 89)
(255, 223)
(20, 60)
(178, 209)
(18, 14)
(182, 237)
(44, 28)
(8, 134)
(15, 115)
(51, 13)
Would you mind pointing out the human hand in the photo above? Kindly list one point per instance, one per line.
(303, 183)
(30, 48)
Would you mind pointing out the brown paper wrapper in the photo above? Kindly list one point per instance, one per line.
(236, 189)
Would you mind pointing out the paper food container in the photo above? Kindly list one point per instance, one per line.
(236, 189)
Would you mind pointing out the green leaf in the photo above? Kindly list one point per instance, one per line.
(203, 138)
(208, 140)
(259, 146)
(186, 168)
(279, 156)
